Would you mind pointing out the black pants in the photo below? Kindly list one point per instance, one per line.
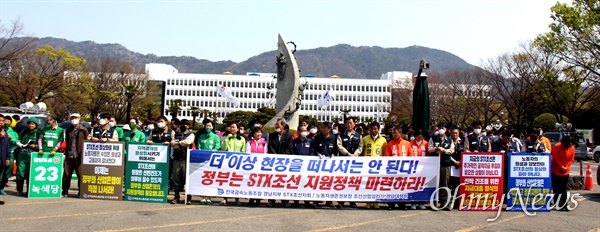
(71, 165)
(559, 187)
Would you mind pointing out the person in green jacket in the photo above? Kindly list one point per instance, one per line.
(133, 135)
(28, 144)
(52, 137)
(209, 140)
(13, 137)
(236, 143)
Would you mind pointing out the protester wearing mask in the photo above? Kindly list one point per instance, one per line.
(112, 122)
(397, 147)
(52, 137)
(13, 137)
(27, 144)
(148, 128)
(256, 145)
(75, 135)
(442, 146)
(163, 135)
(259, 123)
(280, 142)
(534, 145)
(208, 141)
(478, 142)
(459, 147)
(562, 157)
(134, 135)
(325, 146)
(302, 146)
(104, 133)
(4, 152)
(312, 131)
(349, 143)
(544, 140)
(303, 123)
(182, 141)
(507, 148)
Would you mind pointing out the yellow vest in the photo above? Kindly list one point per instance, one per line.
(373, 148)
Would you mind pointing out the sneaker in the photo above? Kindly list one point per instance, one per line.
(19, 193)
(270, 204)
(223, 202)
(208, 201)
(368, 206)
(375, 205)
(413, 207)
(422, 207)
(2, 192)
(203, 201)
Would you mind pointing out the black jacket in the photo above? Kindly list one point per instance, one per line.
(283, 146)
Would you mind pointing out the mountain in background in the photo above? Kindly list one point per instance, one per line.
(343, 60)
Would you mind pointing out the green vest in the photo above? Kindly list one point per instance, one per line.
(51, 137)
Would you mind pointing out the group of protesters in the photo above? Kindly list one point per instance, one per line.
(327, 140)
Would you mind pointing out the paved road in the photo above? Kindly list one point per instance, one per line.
(73, 214)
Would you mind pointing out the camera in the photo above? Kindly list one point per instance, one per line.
(423, 64)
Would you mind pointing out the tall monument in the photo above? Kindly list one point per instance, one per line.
(288, 83)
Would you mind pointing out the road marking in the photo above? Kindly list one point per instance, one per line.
(205, 222)
(491, 224)
(369, 222)
(48, 202)
(91, 214)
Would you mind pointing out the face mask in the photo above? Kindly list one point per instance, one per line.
(441, 132)
(183, 128)
(74, 121)
(242, 131)
(412, 138)
(313, 131)
(541, 133)
(209, 129)
(483, 133)
(257, 125)
(161, 125)
(477, 131)
(111, 124)
(150, 127)
(303, 133)
(277, 130)
(436, 133)
(102, 122)
(132, 125)
(334, 131)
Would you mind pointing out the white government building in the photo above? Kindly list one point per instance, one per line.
(364, 98)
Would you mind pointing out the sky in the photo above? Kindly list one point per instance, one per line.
(236, 30)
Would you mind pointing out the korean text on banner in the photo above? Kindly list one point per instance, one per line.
(45, 175)
(529, 182)
(146, 174)
(481, 176)
(294, 177)
(102, 171)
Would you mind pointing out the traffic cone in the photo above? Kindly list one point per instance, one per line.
(589, 183)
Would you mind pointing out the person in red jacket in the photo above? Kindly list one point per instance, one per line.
(563, 155)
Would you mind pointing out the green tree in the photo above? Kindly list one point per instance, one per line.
(195, 111)
(174, 107)
(548, 121)
(39, 75)
(205, 113)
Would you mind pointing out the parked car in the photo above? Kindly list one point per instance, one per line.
(596, 153)
(581, 152)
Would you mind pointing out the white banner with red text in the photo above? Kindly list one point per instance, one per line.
(296, 177)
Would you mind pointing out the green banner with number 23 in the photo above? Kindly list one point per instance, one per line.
(45, 175)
